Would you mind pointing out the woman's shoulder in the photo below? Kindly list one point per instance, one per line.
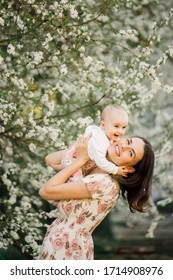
(103, 179)
(102, 187)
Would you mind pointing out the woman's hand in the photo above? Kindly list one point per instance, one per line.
(81, 148)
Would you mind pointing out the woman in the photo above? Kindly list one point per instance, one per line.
(85, 200)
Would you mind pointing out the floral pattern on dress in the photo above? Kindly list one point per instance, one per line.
(69, 237)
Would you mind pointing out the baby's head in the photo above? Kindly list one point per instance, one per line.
(114, 121)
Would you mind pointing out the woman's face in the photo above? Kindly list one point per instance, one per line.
(126, 152)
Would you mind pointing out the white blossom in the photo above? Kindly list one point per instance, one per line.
(165, 201)
(88, 60)
(30, 1)
(84, 122)
(29, 239)
(11, 49)
(168, 89)
(19, 82)
(19, 121)
(14, 235)
(9, 150)
(6, 181)
(54, 134)
(73, 12)
(1, 60)
(31, 120)
(63, 2)
(63, 69)
(20, 23)
(51, 106)
(171, 51)
(37, 57)
(25, 205)
(2, 21)
(48, 39)
(2, 129)
(53, 214)
(12, 200)
(82, 49)
(32, 147)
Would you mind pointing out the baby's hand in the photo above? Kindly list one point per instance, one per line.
(123, 170)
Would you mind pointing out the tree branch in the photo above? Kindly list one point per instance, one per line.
(77, 109)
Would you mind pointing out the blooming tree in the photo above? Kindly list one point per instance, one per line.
(60, 63)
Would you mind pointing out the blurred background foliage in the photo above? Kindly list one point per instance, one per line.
(61, 62)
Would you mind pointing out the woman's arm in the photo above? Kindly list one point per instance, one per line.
(58, 189)
(54, 160)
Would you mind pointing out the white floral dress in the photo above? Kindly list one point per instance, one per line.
(69, 236)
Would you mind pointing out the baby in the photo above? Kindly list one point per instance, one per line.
(114, 121)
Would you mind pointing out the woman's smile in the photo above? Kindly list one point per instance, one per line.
(117, 150)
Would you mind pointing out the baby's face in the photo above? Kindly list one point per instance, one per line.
(114, 124)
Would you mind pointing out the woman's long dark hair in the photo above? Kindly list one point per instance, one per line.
(136, 187)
